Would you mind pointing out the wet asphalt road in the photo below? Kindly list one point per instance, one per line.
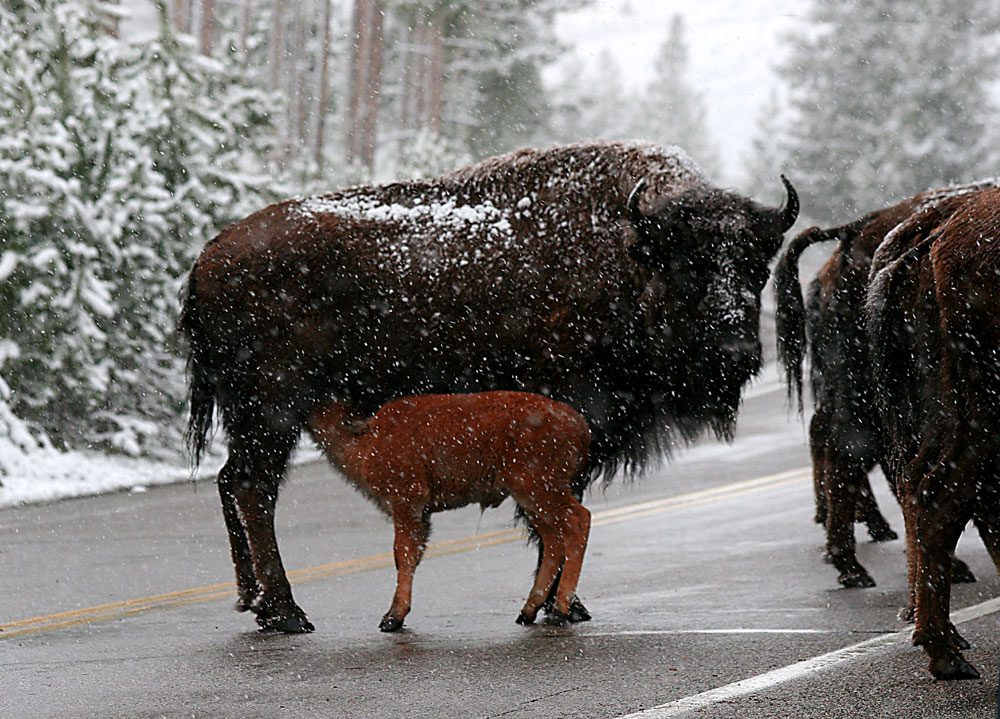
(696, 578)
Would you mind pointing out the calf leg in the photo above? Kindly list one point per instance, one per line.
(575, 530)
(412, 527)
(577, 611)
(552, 560)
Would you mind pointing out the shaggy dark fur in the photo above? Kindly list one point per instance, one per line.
(933, 320)
(844, 434)
(525, 272)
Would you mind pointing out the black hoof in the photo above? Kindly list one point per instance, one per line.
(578, 612)
(390, 624)
(881, 533)
(285, 625)
(524, 619)
(556, 619)
(953, 667)
(960, 572)
(906, 614)
(287, 620)
(856, 580)
(958, 640)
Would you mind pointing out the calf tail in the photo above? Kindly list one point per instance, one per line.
(202, 382)
(790, 315)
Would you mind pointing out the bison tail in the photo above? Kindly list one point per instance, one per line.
(201, 379)
(791, 314)
(885, 321)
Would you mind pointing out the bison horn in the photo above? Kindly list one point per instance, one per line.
(787, 215)
(635, 216)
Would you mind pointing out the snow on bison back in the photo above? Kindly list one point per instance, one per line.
(610, 276)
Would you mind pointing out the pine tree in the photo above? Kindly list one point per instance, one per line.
(891, 97)
(768, 157)
(672, 112)
(115, 164)
(594, 104)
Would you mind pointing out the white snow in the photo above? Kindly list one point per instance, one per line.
(43, 474)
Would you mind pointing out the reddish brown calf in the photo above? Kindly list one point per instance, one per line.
(425, 454)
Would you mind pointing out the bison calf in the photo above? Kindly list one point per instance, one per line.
(425, 454)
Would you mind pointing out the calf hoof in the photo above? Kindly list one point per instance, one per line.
(960, 572)
(881, 532)
(856, 580)
(578, 612)
(390, 624)
(952, 667)
(287, 620)
(524, 619)
(556, 619)
(906, 614)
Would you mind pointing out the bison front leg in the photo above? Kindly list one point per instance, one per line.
(412, 527)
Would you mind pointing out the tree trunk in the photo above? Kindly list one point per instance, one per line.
(436, 105)
(324, 89)
(207, 26)
(366, 82)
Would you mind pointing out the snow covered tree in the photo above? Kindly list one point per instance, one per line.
(116, 163)
(768, 157)
(672, 112)
(593, 103)
(891, 97)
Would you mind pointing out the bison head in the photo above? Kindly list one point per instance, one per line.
(704, 257)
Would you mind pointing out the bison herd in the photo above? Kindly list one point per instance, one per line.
(530, 324)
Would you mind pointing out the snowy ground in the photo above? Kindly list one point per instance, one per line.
(44, 475)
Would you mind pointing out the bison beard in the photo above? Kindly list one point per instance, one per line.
(535, 271)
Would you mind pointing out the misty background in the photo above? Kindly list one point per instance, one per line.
(131, 131)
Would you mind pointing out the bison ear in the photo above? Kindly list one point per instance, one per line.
(658, 228)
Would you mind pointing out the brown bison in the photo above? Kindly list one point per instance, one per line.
(933, 320)
(612, 277)
(426, 454)
(845, 437)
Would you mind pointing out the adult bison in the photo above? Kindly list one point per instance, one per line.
(933, 320)
(611, 277)
(845, 437)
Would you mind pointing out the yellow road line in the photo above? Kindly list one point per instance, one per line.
(182, 597)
